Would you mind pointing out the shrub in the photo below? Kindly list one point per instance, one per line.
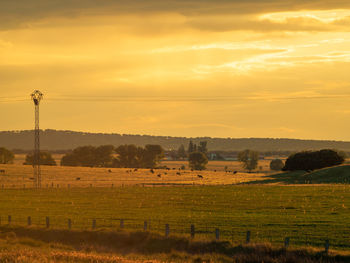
(276, 165)
(311, 160)
(197, 160)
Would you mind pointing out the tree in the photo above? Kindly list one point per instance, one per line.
(152, 155)
(104, 155)
(45, 159)
(276, 165)
(249, 159)
(181, 152)
(197, 160)
(190, 147)
(89, 156)
(129, 156)
(6, 156)
(312, 160)
(203, 147)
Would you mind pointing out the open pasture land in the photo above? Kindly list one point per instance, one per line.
(19, 176)
(307, 214)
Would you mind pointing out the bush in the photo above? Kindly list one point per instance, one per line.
(249, 159)
(311, 160)
(197, 160)
(276, 165)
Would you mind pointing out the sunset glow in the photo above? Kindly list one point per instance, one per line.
(179, 68)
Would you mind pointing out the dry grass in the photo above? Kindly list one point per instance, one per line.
(38, 245)
(18, 175)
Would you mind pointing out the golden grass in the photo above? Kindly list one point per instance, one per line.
(18, 175)
(37, 245)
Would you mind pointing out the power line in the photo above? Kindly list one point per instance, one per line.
(86, 98)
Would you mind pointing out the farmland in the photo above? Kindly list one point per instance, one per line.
(271, 206)
(307, 214)
(19, 175)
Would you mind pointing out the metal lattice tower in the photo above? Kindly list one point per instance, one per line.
(37, 97)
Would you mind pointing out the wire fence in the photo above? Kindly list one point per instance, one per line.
(168, 228)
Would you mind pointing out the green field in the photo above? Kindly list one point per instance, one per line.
(307, 214)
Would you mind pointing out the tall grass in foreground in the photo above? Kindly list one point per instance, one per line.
(40, 245)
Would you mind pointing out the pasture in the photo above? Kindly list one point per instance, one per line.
(307, 214)
(19, 176)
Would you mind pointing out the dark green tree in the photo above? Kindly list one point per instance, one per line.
(6, 156)
(197, 161)
(312, 160)
(249, 159)
(45, 159)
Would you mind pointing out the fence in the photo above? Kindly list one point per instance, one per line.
(166, 229)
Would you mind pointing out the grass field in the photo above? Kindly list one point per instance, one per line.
(20, 175)
(307, 214)
(309, 208)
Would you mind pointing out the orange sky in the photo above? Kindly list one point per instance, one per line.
(238, 68)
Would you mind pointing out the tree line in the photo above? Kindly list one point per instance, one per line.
(124, 156)
(150, 156)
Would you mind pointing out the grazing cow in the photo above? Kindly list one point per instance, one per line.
(178, 173)
(31, 178)
(135, 170)
(78, 178)
(159, 175)
(152, 171)
(109, 170)
(200, 176)
(165, 173)
(234, 172)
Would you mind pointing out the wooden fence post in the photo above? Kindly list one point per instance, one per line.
(326, 246)
(121, 223)
(93, 223)
(145, 226)
(286, 242)
(47, 222)
(193, 231)
(247, 240)
(69, 224)
(29, 221)
(167, 230)
(217, 233)
(9, 219)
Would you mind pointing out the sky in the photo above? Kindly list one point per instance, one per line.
(223, 68)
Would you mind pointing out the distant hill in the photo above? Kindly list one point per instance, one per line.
(65, 140)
